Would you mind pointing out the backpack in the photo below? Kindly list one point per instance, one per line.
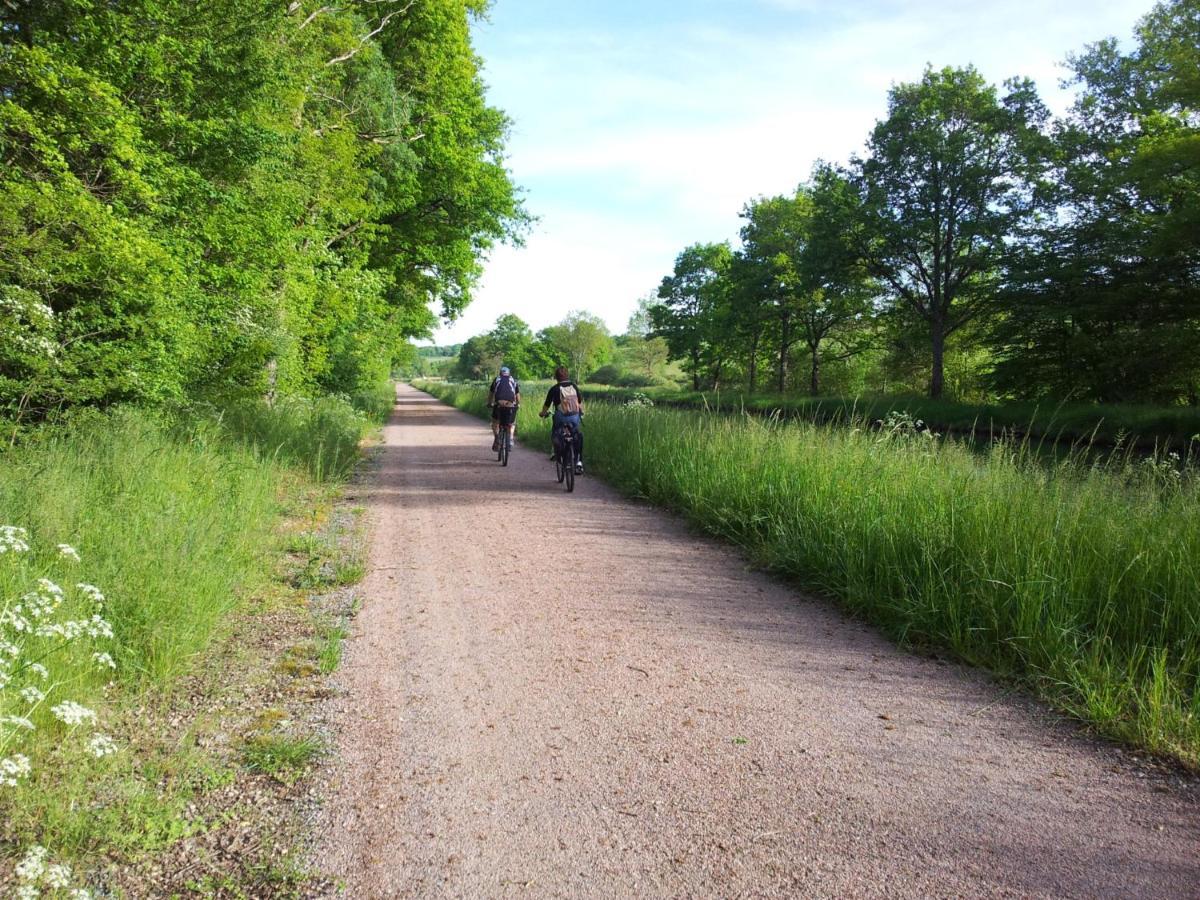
(568, 400)
(505, 390)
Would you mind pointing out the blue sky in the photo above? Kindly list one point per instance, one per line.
(641, 127)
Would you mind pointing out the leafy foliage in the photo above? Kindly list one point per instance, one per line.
(246, 197)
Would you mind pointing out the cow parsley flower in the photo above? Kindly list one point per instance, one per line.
(27, 892)
(14, 619)
(13, 769)
(69, 552)
(9, 649)
(13, 539)
(57, 876)
(104, 660)
(33, 866)
(101, 745)
(91, 592)
(39, 670)
(98, 627)
(17, 721)
(31, 694)
(72, 713)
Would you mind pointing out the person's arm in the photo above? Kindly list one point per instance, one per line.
(551, 399)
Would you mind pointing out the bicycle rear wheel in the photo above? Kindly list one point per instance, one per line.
(503, 453)
(569, 467)
(559, 468)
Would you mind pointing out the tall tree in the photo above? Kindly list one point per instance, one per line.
(581, 340)
(1105, 304)
(952, 175)
(692, 296)
(802, 275)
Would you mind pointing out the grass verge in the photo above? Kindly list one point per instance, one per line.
(1077, 579)
(1111, 426)
(176, 519)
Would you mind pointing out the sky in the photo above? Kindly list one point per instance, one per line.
(642, 127)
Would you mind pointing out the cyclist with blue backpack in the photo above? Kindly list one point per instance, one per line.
(504, 396)
(567, 402)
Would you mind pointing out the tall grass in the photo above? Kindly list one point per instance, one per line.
(1177, 427)
(1080, 580)
(174, 517)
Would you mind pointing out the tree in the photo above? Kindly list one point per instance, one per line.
(951, 176)
(207, 209)
(581, 340)
(640, 320)
(691, 297)
(836, 304)
(801, 276)
(648, 354)
(1104, 303)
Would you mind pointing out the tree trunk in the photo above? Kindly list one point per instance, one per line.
(753, 364)
(937, 376)
(695, 371)
(784, 344)
(814, 380)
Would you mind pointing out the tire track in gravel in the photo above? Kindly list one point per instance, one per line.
(574, 696)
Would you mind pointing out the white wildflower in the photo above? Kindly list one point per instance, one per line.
(13, 539)
(80, 894)
(50, 587)
(15, 620)
(31, 694)
(17, 721)
(39, 670)
(33, 866)
(66, 550)
(98, 627)
(91, 592)
(104, 660)
(27, 892)
(73, 713)
(13, 769)
(5, 678)
(57, 876)
(101, 745)
(9, 649)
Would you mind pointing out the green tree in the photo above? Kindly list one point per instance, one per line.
(1105, 302)
(692, 300)
(952, 175)
(581, 340)
(802, 282)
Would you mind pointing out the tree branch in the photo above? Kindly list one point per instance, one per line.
(362, 42)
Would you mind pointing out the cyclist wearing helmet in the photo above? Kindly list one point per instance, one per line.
(568, 407)
(504, 396)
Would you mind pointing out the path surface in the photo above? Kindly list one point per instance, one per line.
(595, 702)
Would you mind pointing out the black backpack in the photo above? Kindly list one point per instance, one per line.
(505, 389)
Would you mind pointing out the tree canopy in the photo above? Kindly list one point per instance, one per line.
(237, 197)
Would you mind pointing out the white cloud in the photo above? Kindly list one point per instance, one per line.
(636, 139)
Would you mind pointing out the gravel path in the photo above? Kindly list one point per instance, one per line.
(595, 702)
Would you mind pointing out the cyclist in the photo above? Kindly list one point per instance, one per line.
(504, 396)
(568, 407)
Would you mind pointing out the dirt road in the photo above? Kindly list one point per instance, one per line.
(574, 696)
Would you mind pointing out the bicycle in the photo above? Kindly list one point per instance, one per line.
(504, 438)
(566, 456)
